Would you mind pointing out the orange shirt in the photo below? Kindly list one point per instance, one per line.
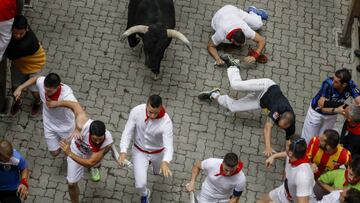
(324, 161)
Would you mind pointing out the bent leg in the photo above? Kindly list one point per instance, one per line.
(247, 103)
(253, 20)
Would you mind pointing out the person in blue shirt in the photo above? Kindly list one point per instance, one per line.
(13, 174)
(329, 102)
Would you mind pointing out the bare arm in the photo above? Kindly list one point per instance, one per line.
(194, 174)
(92, 161)
(267, 136)
(29, 82)
(80, 115)
(214, 53)
(302, 199)
(325, 186)
(260, 40)
(357, 100)
(234, 199)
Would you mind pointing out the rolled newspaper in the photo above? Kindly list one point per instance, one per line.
(115, 154)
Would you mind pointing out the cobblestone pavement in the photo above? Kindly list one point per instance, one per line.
(81, 39)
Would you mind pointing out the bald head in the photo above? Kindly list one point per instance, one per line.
(6, 150)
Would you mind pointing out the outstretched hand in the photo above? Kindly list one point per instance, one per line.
(164, 169)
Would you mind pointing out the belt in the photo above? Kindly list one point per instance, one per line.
(149, 152)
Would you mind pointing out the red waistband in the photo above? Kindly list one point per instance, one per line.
(149, 152)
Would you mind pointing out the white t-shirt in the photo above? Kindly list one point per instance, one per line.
(220, 187)
(83, 147)
(300, 180)
(333, 197)
(227, 19)
(58, 119)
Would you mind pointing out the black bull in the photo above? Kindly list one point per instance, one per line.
(154, 22)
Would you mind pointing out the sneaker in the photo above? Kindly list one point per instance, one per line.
(263, 14)
(206, 95)
(16, 107)
(252, 9)
(230, 61)
(35, 109)
(95, 174)
(357, 52)
(146, 199)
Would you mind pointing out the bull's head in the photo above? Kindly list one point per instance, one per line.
(156, 39)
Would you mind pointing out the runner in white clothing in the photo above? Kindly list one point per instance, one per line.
(88, 147)
(299, 178)
(348, 195)
(153, 142)
(224, 182)
(59, 123)
(232, 26)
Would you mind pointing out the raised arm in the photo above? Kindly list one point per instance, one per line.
(80, 115)
(29, 82)
(194, 174)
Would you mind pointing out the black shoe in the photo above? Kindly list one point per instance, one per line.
(35, 109)
(358, 68)
(357, 52)
(16, 107)
(206, 95)
(230, 61)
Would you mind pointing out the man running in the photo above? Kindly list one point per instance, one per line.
(224, 182)
(153, 142)
(59, 122)
(87, 148)
(263, 93)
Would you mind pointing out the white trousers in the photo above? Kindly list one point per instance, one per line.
(5, 35)
(255, 87)
(316, 123)
(203, 198)
(253, 20)
(141, 164)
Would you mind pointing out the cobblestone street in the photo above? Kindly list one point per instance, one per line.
(82, 43)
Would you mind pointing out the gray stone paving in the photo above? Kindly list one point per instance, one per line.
(81, 39)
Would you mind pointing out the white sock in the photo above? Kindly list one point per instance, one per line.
(215, 94)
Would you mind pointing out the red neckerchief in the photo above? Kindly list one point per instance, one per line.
(160, 114)
(347, 182)
(231, 33)
(55, 96)
(354, 128)
(95, 147)
(237, 170)
(302, 160)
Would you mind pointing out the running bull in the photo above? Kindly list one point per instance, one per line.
(154, 22)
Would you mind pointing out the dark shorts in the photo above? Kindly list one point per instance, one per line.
(352, 143)
(9, 197)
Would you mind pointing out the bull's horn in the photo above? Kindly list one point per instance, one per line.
(176, 34)
(135, 29)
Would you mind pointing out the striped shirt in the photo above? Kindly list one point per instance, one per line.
(325, 161)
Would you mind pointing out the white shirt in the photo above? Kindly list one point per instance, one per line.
(333, 197)
(300, 180)
(150, 135)
(227, 19)
(83, 147)
(59, 119)
(220, 187)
